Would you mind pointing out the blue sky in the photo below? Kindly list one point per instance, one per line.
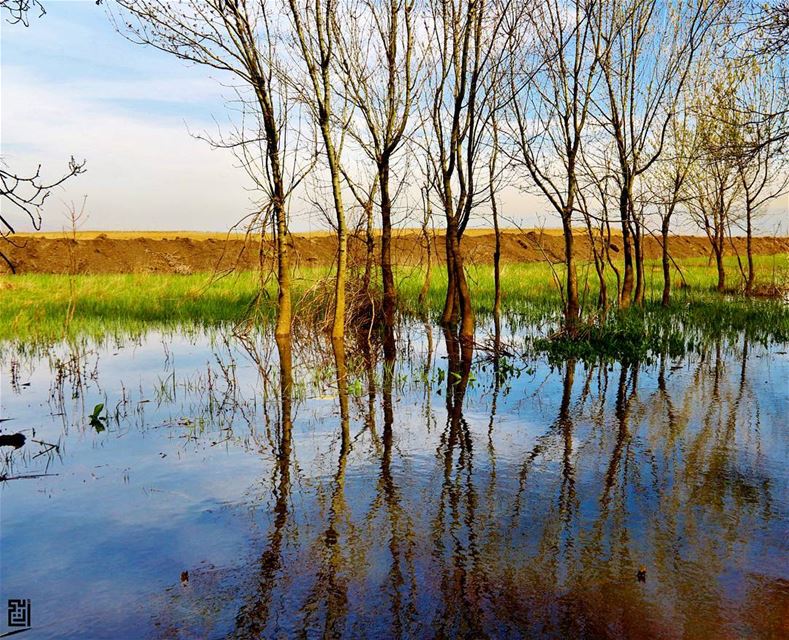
(71, 85)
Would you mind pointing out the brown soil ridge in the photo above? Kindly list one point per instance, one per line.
(103, 253)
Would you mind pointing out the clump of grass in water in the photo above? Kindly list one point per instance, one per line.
(685, 326)
(626, 336)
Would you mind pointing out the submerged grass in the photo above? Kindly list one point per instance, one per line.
(41, 308)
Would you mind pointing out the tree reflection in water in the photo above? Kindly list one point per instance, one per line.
(496, 526)
(253, 616)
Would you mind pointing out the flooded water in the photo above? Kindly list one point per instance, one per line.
(454, 498)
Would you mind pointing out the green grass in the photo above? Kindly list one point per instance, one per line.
(530, 285)
(697, 315)
(35, 308)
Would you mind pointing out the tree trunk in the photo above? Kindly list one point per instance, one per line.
(719, 248)
(572, 307)
(666, 299)
(370, 247)
(390, 300)
(602, 298)
(338, 324)
(284, 299)
(599, 266)
(627, 280)
(496, 264)
(611, 262)
(457, 307)
(639, 257)
(319, 69)
(721, 271)
(284, 312)
(463, 296)
(450, 314)
(749, 251)
(428, 267)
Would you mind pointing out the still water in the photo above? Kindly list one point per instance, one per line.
(446, 500)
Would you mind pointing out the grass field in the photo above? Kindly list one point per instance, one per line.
(41, 308)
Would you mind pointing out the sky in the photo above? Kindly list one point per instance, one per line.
(71, 85)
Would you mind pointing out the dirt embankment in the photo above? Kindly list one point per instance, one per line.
(163, 253)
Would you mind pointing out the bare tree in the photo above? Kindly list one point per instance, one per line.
(593, 197)
(769, 23)
(236, 37)
(496, 101)
(598, 194)
(17, 11)
(553, 76)
(365, 199)
(758, 37)
(464, 35)
(648, 49)
(667, 183)
(760, 152)
(376, 46)
(493, 184)
(314, 25)
(26, 195)
(427, 236)
(713, 184)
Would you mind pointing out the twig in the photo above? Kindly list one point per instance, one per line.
(27, 476)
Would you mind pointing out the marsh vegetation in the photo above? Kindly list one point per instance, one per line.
(588, 444)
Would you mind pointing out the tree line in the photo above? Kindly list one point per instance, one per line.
(621, 114)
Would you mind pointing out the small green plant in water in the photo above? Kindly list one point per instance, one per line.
(97, 421)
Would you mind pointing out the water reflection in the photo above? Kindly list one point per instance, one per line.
(436, 492)
(252, 618)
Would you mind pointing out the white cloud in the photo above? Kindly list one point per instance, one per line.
(143, 171)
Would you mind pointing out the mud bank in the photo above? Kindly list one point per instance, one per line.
(163, 253)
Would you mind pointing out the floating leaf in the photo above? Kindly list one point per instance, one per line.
(96, 421)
